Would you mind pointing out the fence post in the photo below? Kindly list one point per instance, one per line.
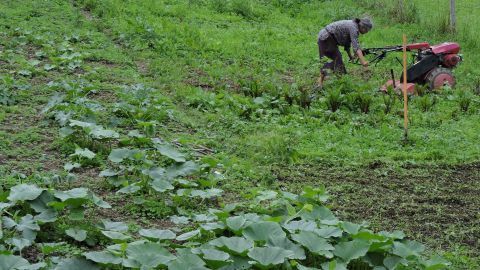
(453, 16)
(405, 96)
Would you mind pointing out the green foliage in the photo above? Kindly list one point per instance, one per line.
(426, 103)
(399, 11)
(334, 99)
(404, 11)
(247, 9)
(273, 246)
(389, 100)
(152, 132)
(464, 98)
(364, 100)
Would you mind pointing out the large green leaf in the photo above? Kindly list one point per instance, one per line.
(352, 249)
(321, 214)
(70, 166)
(130, 188)
(238, 245)
(239, 263)
(116, 235)
(188, 235)
(77, 213)
(266, 195)
(183, 169)
(236, 223)
(351, 228)
(86, 153)
(77, 234)
(155, 173)
(301, 267)
(187, 261)
(171, 152)
(76, 264)
(213, 226)
(285, 243)
(206, 194)
(20, 243)
(108, 173)
(103, 257)
(119, 154)
(46, 216)
(149, 255)
(269, 256)
(99, 202)
(261, 231)
(76, 123)
(334, 265)
(161, 185)
(436, 263)
(391, 262)
(76, 193)
(35, 266)
(408, 249)
(393, 235)
(157, 234)
(10, 262)
(179, 219)
(114, 226)
(24, 192)
(300, 225)
(40, 204)
(314, 243)
(28, 223)
(329, 232)
(215, 255)
(99, 132)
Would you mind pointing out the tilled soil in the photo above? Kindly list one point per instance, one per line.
(436, 205)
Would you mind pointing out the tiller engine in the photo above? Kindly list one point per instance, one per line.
(431, 66)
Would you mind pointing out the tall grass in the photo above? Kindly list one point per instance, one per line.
(399, 11)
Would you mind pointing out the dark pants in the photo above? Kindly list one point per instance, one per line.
(329, 48)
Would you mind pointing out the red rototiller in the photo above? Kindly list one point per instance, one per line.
(431, 66)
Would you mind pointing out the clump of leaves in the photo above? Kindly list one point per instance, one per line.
(364, 101)
(389, 100)
(464, 98)
(476, 87)
(7, 87)
(6, 96)
(426, 102)
(26, 208)
(420, 90)
(251, 87)
(305, 97)
(334, 99)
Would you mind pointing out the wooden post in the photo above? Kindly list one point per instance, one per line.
(453, 16)
(405, 96)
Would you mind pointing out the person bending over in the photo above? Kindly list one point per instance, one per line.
(341, 33)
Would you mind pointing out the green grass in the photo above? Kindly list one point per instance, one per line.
(230, 70)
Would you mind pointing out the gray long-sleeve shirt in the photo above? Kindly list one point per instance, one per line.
(345, 33)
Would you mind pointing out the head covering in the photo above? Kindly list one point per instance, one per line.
(366, 23)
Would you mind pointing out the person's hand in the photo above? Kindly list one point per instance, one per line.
(353, 59)
(365, 64)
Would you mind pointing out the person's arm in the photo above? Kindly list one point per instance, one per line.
(357, 48)
(349, 52)
(363, 61)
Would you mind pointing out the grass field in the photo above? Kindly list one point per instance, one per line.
(166, 109)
